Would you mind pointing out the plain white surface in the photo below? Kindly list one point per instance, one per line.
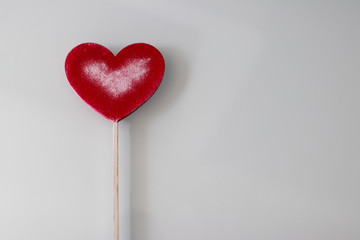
(253, 134)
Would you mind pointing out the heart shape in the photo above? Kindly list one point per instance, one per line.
(115, 86)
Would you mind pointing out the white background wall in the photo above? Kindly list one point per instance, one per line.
(253, 134)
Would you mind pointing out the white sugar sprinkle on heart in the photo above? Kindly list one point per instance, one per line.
(116, 82)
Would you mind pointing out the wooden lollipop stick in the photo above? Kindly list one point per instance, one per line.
(116, 182)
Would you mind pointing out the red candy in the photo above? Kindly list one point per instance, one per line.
(114, 86)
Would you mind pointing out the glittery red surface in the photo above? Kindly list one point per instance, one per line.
(115, 86)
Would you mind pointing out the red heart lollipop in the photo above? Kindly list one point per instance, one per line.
(115, 86)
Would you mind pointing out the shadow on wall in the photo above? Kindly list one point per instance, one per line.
(173, 84)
